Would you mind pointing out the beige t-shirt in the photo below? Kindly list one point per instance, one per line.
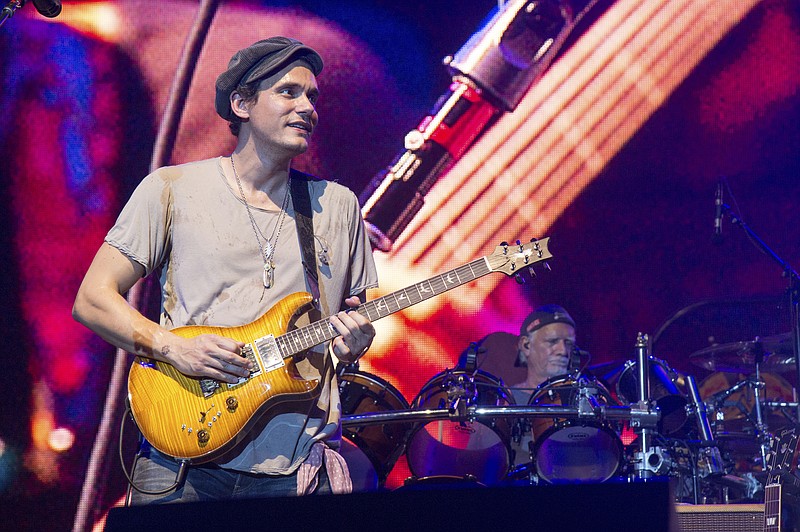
(187, 222)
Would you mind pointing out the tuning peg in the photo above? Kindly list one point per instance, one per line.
(547, 267)
(532, 271)
(519, 278)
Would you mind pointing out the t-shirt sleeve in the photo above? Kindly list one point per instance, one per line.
(142, 229)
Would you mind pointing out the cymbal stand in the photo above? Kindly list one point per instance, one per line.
(651, 460)
(761, 426)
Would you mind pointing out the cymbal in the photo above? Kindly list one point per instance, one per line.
(779, 343)
(741, 357)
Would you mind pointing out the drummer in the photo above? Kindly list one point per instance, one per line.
(545, 344)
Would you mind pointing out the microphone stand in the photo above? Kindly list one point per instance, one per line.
(10, 9)
(793, 284)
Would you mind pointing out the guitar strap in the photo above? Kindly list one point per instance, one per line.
(305, 228)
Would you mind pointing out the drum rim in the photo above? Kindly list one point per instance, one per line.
(569, 378)
(460, 371)
(376, 380)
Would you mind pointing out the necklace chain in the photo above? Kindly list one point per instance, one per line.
(268, 276)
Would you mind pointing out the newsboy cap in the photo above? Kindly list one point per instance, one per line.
(257, 61)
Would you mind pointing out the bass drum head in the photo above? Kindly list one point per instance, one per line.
(478, 449)
(573, 450)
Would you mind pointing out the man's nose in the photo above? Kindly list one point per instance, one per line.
(305, 105)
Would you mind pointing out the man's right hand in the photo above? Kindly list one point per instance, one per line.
(208, 355)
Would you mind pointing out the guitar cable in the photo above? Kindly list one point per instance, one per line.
(180, 475)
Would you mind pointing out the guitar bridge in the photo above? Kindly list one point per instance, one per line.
(209, 386)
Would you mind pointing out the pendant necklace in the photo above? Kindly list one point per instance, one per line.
(268, 248)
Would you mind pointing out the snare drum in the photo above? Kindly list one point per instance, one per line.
(667, 390)
(371, 450)
(573, 450)
(478, 449)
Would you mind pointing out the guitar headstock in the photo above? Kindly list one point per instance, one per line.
(781, 453)
(512, 259)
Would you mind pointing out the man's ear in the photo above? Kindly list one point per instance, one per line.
(524, 342)
(239, 106)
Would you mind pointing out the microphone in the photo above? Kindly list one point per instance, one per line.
(718, 212)
(48, 8)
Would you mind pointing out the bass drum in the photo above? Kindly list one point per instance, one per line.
(478, 450)
(371, 450)
(573, 450)
(667, 390)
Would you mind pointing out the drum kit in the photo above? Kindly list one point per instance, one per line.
(638, 419)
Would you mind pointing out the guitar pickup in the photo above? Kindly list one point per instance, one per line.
(270, 354)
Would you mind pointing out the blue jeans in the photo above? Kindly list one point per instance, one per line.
(208, 482)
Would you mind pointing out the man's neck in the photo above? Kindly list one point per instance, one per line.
(263, 180)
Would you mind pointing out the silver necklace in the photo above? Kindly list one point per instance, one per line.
(268, 276)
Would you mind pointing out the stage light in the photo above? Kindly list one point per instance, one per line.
(101, 19)
(61, 439)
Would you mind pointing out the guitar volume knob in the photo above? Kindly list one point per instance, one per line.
(232, 403)
(203, 436)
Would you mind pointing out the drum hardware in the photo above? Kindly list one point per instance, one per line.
(666, 392)
(781, 404)
(740, 356)
(651, 459)
(710, 457)
(634, 414)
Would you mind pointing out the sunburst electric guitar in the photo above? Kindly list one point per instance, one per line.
(198, 420)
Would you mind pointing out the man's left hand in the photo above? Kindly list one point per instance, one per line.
(356, 332)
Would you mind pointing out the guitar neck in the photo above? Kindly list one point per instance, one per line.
(772, 508)
(304, 338)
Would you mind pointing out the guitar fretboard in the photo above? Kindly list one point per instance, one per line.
(306, 337)
(772, 508)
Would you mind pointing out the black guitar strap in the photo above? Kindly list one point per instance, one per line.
(305, 228)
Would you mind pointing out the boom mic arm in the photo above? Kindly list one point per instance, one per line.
(491, 74)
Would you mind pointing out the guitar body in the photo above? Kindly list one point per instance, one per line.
(182, 419)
